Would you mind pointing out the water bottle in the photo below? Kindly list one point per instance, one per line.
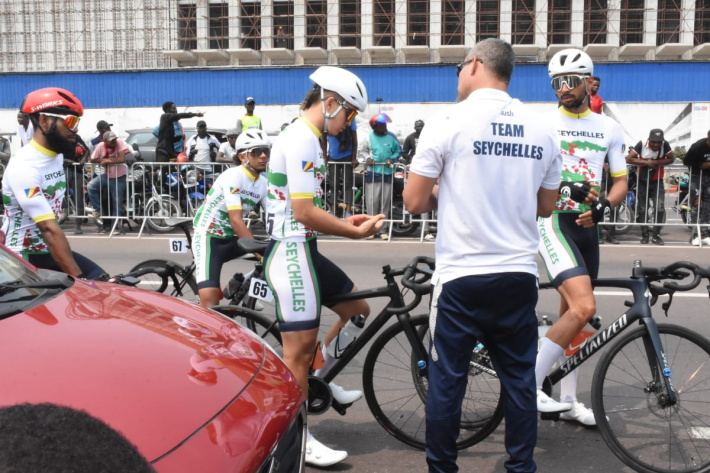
(543, 325)
(588, 331)
(233, 285)
(346, 336)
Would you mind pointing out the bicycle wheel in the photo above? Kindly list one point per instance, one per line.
(159, 281)
(159, 211)
(624, 215)
(265, 328)
(631, 408)
(396, 391)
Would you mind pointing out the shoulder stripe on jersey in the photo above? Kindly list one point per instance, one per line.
(42, 218)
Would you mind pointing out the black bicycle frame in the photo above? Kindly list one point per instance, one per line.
(640, 312)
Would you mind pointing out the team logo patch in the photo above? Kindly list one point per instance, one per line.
(234, 190)
(32, 191)
(307, 165)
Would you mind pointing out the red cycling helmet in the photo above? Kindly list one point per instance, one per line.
(52, 100)
(380, 119)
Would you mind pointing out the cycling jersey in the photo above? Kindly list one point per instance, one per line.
(585, 140)
(296, 170)
(236, 188)
(33, 190)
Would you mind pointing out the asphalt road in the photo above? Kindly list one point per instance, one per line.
(562, 447)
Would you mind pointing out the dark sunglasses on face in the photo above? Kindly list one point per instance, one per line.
(351, 114)
(571, 81)
(257, 152)
(461, 65)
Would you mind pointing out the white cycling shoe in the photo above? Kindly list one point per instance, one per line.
(547, 405)
(343, 396)
(579, 413)
(318, 454)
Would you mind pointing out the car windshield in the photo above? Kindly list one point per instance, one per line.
(13, 270)
(140, 138)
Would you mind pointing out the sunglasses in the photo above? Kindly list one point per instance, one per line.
(571, 81)
(461, 65)
(351, 114)
(257, 152)
(70, 121)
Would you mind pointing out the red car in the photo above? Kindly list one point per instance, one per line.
(191, 389)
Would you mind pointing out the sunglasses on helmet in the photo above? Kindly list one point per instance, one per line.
(571, 81)
(351, 113)
(71, 121)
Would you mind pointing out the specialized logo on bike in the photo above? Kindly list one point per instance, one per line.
(293, 267)
(591, 345)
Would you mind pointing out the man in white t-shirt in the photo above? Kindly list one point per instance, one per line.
(227, 153)
(25, 130)
(492, 152)
(203, 147)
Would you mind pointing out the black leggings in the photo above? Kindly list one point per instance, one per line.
(89, 269)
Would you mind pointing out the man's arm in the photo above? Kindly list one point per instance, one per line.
(546, 199)
(239, 125)
(353, 157)
(355, 227)
(59, 247)
(421, 194)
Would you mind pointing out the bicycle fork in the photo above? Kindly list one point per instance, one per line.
(420, 355)
(658, 365)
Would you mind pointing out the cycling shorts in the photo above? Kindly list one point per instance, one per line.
(89, 269)
(301, 278)
(211, 253)
(568, 249)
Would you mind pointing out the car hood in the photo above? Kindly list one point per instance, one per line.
(155, 368)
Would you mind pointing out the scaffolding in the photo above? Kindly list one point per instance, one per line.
(87, 35)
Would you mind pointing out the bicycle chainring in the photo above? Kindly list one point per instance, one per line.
(319, 396)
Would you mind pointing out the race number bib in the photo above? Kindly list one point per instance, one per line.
(178, 245)
(259, 289)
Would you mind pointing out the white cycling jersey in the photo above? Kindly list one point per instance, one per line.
(236, 188)
(585, 140)
(33, 188)
(296, 170)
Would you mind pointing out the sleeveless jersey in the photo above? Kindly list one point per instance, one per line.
(33, 188)
(585, 140)
(250, 122)
(235, 189)
(296, 170)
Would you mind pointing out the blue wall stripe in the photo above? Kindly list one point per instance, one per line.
(621, 82)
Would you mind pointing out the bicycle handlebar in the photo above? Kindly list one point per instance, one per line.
(418, 285)
(673, 271)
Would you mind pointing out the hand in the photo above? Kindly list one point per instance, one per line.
(579, 191)
(599, 209)
(354, 162)
(585, 220)
(366, 224)
(200, 114)
(369, 162)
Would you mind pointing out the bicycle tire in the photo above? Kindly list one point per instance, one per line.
(624, 216)
(396, 392)
(640, 430)
(261, 325)
(187, 285)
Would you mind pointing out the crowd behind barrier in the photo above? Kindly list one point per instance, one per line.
(158, 191)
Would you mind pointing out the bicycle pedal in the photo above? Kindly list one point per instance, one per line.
(340, 408)
(554, 416)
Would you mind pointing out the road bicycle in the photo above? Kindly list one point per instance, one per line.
(394, 375)
(651, 387)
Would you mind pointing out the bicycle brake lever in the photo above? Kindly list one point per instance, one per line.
(667, 305)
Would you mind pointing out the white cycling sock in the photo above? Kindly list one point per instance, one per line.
(329, 361)
(546, 358)
(568, 385)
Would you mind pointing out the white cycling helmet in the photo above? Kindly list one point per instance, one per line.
(251, 139)
(342, 82)
(570, 61)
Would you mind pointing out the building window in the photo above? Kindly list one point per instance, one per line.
(316, 24)
(187, 27)
(283, 24)
(418, 22)
(523, 31)
(383, 23)
(668, 22)
(219, 26)
(595, 21)
(250, 20)
(631, 24)
(559, 22)
(487, 17)
(702, 22)
(453, 18)
(350, 23)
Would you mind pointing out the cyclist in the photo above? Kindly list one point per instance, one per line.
(34, 185)
(298, 275)
(219, 222)
(569, 242)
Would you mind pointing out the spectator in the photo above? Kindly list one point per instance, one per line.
(102, 126)
(111, 155)
(248, 120)
(202, 147)
(610, 229)
(280, 38)
(698, 161)
(651, 157)
(170, 133)
(5, 151)
(380, 151)
(477, 271)
(25, 129)
(74, 172)
(227, 153)
(596, 103)
(410, 143)
(341, 160)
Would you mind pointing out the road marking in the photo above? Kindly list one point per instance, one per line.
(700, 432)
(628, 294)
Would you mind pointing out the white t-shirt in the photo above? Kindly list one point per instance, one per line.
(491, 155)
(23, 137)
(295, 171)
(203, 147)
(228, 150)
(33, 189)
